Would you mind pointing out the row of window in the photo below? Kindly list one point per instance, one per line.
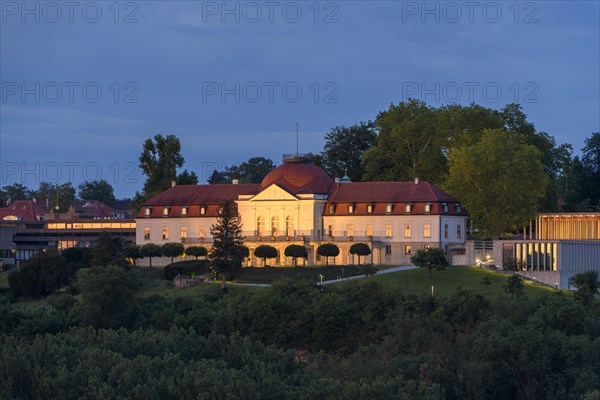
(407, 231)
(389, 208)
(165, 233)
(167, 209)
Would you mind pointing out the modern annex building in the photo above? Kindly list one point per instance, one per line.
(298, 203)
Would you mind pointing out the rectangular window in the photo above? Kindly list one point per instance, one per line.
(457, 207)
(407, 249)
(331, 209)
(445, 207)
(183, 233)
(426, 230)
(147, 233)
(446, 231)
(369, 230)
(427, 208)
(201, 233)
(388, 209)
(165, 233)
(147, 211)
(388, 230)
(165, 211)
(184, 211)
(350, 230)
(330, 230)
(408, 208)
(407, 232)
(458, 231)
(388, 250)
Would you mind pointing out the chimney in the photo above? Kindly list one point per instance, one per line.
(416, 181)
(173, 183)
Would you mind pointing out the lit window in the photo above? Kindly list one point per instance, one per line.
(369, 230)
(165, 233)
(148, 211)
(457, 207)
(446, 231)
(331, 209)
(275, 226)
(350, 209)
(388, 230)
(388, 250)
(445, 207)
(202, 210)
(330, 231)
(426, 230)
(388, 209)
(147, 233)
(260, 226)
(370, 209)
(201, 233)
(289, 226)
(407, 249)
(350, 230)
(184, 210)
(427, 208)
(220, 210)
(458, 231)
(407, 231)
(408, 208)
(166, 211)
(183, 233)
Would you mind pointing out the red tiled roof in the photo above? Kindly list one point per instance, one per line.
(380, 194)
(299, 178)
(195, 196)
(24, 210)
(389, 192)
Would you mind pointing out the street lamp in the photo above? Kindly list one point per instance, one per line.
(321, 276)
(478, 262)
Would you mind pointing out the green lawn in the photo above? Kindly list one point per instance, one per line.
(445, 282)
(4, 279)
(269, 274)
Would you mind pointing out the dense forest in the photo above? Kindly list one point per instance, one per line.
(105, 337)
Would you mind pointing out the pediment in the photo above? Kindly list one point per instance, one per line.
(274, 192)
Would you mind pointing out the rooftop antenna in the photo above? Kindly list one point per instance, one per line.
(297, 149)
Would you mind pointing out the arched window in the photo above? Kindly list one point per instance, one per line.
(275, 226)
(370, 209)
(289, 226)
(260, 226)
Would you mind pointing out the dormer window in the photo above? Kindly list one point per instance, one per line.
(427, 208)
(370, 209)
(351, 209)
(445, 207)
(166, 211)
(457, 207)
(202, 210)
(184, 211)
(220, 210)
(388, 208)
(331, 208)
(147, 211)
(408, 208)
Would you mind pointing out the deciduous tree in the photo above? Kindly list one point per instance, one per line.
(150, 250)
(328, 250)
(360, 249)
(429, 259)
(265, 251)
(296, 251)
(172, 249)
(99, 190)
(500, 181)
(196, 251)
(345, 147)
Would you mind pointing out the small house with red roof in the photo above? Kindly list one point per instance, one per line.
(298, 203)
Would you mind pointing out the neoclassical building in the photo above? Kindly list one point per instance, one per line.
(298, 203)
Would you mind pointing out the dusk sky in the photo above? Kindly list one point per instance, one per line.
(85, 83)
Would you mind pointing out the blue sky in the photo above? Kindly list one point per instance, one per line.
(83, 85)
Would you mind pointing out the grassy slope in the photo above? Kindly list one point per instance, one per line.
(445, 282)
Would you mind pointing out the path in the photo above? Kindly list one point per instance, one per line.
(380, 272)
